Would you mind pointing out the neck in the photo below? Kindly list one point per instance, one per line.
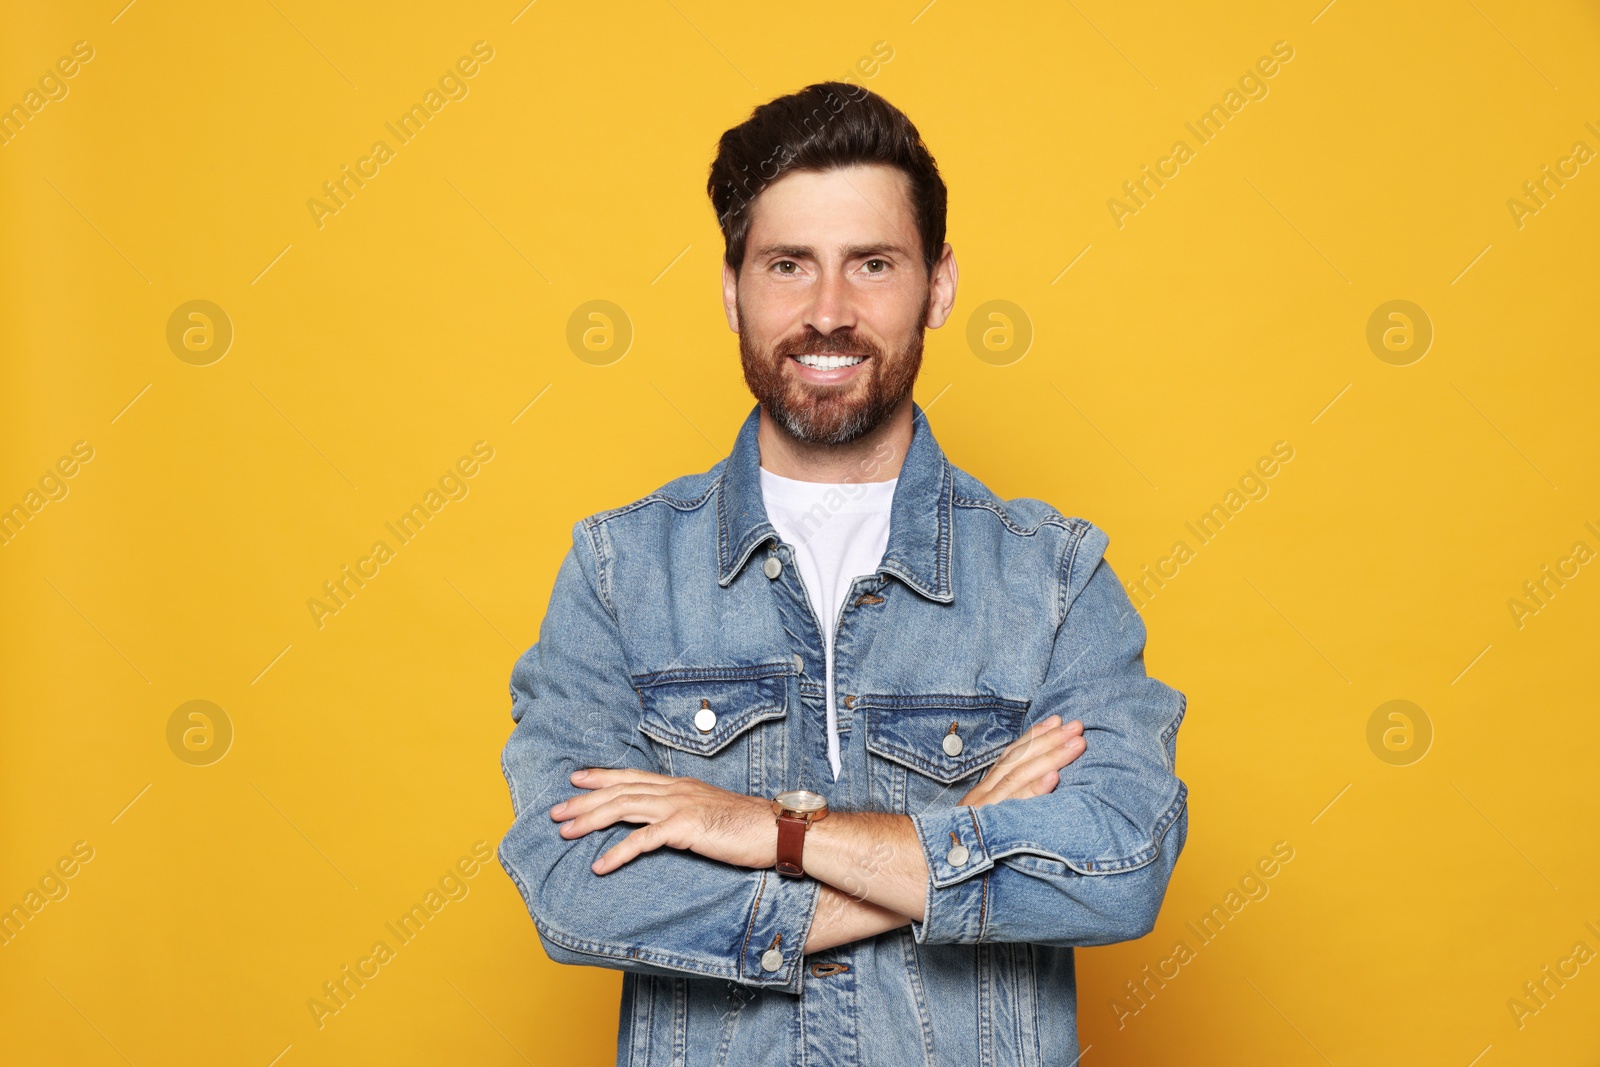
(873, 457)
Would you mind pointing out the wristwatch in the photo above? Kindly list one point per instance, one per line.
(796, 809)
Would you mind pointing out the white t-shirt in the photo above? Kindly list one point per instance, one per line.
(839, 532)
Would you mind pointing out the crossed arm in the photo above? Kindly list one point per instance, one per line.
(1085, 861)
(871, 865)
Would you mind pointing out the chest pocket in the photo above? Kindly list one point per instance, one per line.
(927, 751)
(722, 725)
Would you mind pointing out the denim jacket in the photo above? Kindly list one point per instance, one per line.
(984, 617)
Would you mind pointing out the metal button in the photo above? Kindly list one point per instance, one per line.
(799, 664)
(958, 854)
(952, 744)
(705, 719)
(772, 567)
(771, 960)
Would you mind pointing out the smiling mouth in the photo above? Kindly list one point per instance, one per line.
(827, 362)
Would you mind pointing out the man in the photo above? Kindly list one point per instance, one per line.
(834, 753)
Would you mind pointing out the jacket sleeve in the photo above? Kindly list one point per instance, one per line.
(666, 912)
(1089, 862)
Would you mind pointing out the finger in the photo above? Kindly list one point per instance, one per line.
(583, 802)
(983, 792)
(1045, 773)
(1021, 778)
(645, 839)
(1028, 745)
(1018, 750)
(1036, 736)
(634, 806)
(626, 807)
(1046, 784)
(1047, 732)
(1026, 785)
(1050, 722)
(1032, 787)
(594, 777)
(1053, 757)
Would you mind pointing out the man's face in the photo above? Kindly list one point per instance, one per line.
(832, 270)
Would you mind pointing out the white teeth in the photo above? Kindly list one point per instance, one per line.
(829, 362)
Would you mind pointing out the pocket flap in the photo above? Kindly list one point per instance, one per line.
(737, 697)
(911, 730)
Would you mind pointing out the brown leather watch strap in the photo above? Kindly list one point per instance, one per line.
(791, 843)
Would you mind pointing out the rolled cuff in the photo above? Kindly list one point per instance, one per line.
(953, 845)
(780, 920)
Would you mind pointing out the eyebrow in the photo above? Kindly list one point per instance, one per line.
(845, 251)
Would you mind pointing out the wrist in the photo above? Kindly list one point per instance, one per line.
(820, 841)
(871, 856)
(769, 842)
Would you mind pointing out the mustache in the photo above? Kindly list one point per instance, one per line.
(841, 343)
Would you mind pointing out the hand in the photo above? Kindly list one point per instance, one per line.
(1031, 765)
(683, 813)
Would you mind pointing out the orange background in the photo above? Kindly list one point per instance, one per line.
(1167, 350)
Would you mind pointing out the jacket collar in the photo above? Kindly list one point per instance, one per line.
(919, 518)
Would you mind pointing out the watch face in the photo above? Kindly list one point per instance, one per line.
(802, 800)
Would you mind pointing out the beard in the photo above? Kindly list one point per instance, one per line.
(832, 414)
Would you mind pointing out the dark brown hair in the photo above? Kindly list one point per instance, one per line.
(822, 127)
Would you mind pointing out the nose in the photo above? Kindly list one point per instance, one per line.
(833, 304)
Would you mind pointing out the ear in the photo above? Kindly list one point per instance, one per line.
(730, 296)
(943, 285)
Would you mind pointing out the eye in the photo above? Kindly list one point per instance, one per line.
(785, 263)
(883, 262)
